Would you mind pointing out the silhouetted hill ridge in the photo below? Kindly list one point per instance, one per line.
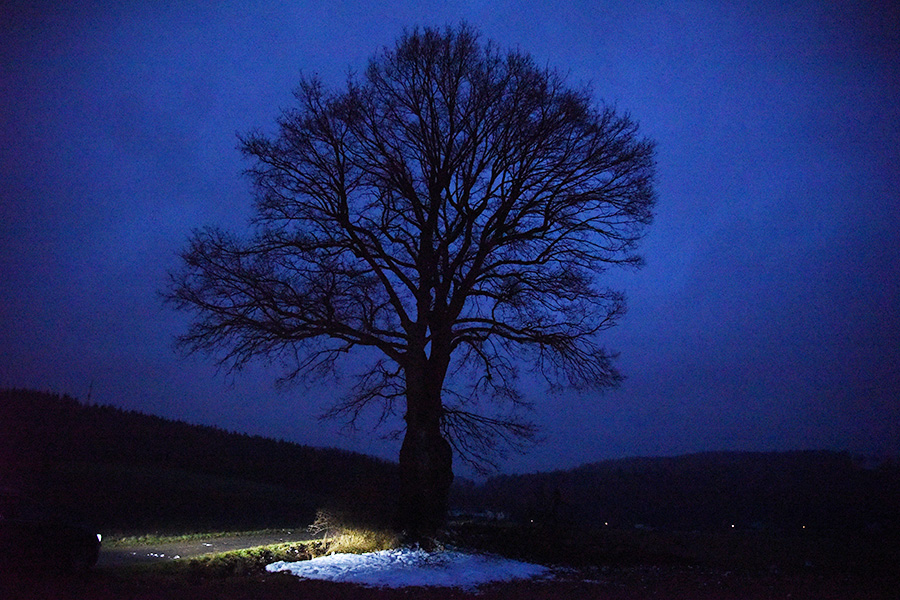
(126, 469)
(780, 491)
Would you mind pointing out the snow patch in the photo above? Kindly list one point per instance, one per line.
(412, 567)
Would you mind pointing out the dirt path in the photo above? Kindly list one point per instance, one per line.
(133, 554)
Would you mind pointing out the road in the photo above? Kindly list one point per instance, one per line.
(134, 554)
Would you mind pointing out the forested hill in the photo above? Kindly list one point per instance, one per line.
(124, 470)
(776, 491)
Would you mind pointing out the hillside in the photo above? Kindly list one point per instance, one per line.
(127, 471)
(780, 492)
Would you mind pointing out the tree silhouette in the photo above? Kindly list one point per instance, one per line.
(443, 219)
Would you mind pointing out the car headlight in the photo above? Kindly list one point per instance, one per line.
(99, 538)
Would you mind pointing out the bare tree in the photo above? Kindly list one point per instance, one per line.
(451, 211)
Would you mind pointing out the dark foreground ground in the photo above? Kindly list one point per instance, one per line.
(615, 565)
(616, 584)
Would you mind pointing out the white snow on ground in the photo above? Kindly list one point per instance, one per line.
(411, 567)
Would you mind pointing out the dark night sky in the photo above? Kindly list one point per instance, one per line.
(767, 317)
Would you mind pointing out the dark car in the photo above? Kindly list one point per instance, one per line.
(29, 540)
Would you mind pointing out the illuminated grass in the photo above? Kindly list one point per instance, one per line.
(343, 534)
(251, 561)
(115, 540)
(234, 563)
(359, 541)
(248, 561)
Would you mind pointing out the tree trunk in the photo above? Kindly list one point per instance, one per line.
(426, 459)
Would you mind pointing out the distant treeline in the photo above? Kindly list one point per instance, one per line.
(775, 491)
(126, 471)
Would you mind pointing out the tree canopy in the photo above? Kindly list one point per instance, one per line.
(446, 217)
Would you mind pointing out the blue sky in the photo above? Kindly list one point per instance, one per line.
(767, 317)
